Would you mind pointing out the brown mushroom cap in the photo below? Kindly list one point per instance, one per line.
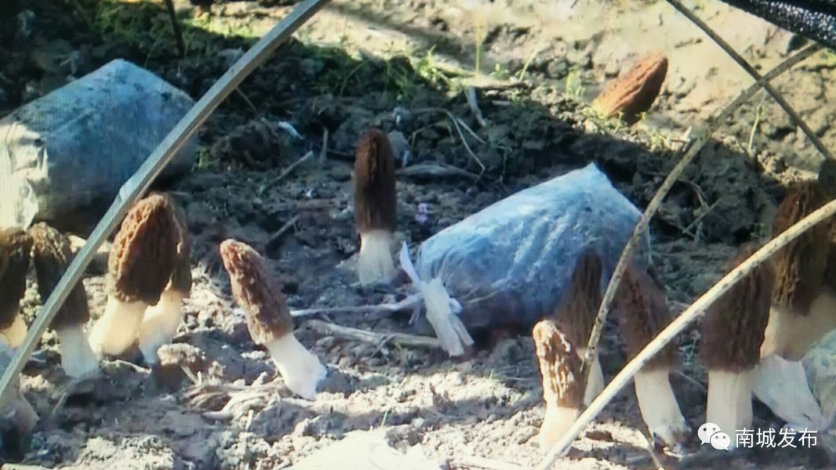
(634, 92)
(733, 328)
(576, 312)
(256, 292)
(374, 183)
(144, 252)
(15, 247)
(52, 254)
(643, 313)
(181, 277)
(560, 365)
(800, 265)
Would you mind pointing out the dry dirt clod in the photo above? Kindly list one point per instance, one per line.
(634, 92)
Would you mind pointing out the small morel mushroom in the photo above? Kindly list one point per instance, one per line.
(160, 322)
(52, 254)
(15, 247)
(634, 92)
(375, 207)
(560, 367)
(643, 313)
(732, 333)
(141, 261)
(268, 318)
(803, 306)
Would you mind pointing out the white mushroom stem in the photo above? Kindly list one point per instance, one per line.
(160, 323)
(658, 405)
(374, 263)
(16, 332)
(790, 335)
(556, 421)
(595, 382)
(77, 357)
(730, 401)
(118, 328)
(775, 379)
(301, 370)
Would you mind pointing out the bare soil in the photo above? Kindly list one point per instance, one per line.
(399, 65)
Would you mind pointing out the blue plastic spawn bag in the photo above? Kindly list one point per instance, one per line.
(509, 264)
(72, 149)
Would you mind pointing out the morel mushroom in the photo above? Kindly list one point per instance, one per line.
(15, 246)
(52, 254)
(732, 333)
(560, 367)
(575, 315)
(160, 322)
(375, 207)
(802, 305)
(643, 313)
(634, 92)
(268, 318)
(141, 261)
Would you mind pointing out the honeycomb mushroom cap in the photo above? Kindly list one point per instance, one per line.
(733, 328)
(374, 183)
(643, 313)
(268, 317)
(634, 92)
(560, 365)
(144, 252)
(800, 265)
(52, 254)
(15, 247)
(576, 312)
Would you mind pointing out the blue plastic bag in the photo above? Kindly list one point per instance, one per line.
(509, 264)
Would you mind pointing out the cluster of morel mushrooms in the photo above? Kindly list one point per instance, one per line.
(781, 308)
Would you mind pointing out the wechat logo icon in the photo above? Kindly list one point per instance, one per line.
(710, 433)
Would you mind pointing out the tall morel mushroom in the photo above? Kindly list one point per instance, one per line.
(141, 261)
(560, 367)
(732, 333)
(643, 313)
(375, 207)
(160, 322)
(803, 306)
(52, 254)
(15, 247)
(575, 315)
(557, 340)
(268, 318)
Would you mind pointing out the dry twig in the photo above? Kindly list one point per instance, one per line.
(400, 339)
(410, 301)
(473, 103)
(293, 166)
